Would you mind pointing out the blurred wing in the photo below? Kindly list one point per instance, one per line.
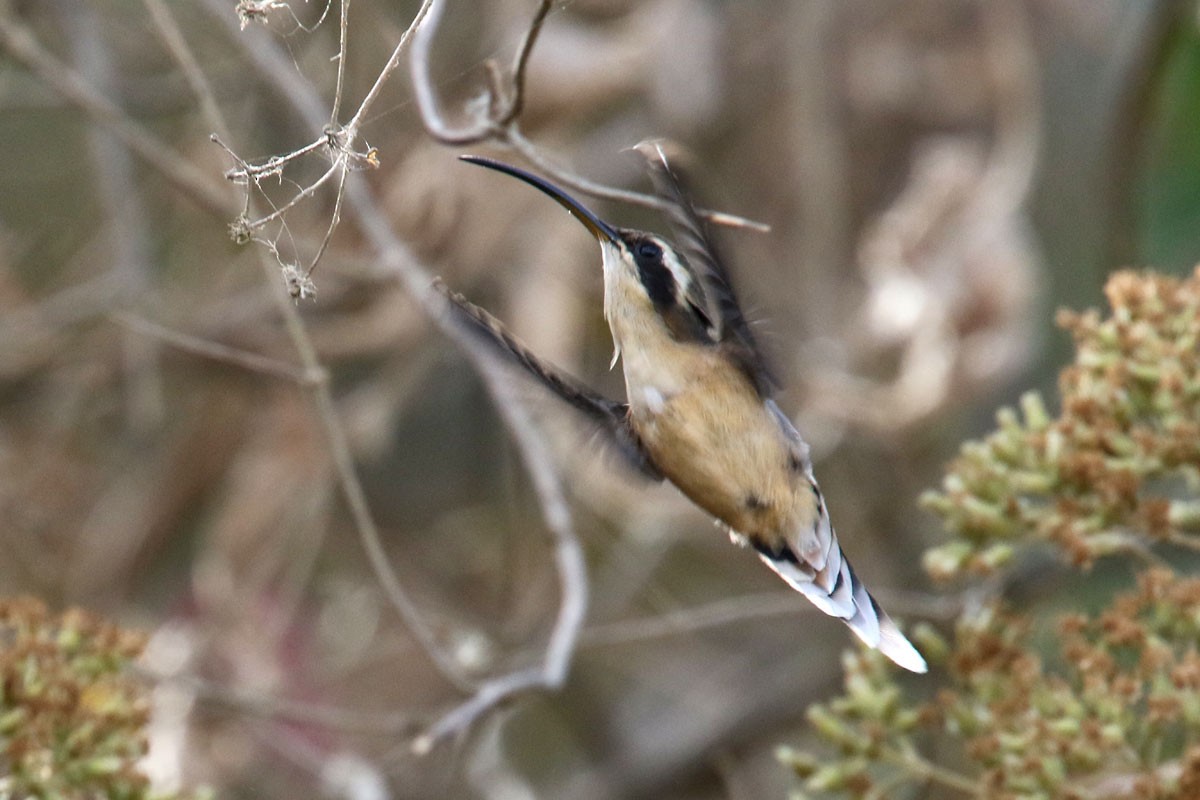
(712, 292)
(610, 416)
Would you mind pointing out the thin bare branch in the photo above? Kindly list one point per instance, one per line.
(334, 219)
(172, 37)
(272, 166)
(216, 351)
(264, 53)
(500, 123)
(356, 499)
(488, 697)
(502, 126)
(307, 191)
(395, 256)
(128, 230)
(568, 556)
(572, 181)
(254, 702)
(343, 50)
(28, 332)
(394, 61)
(731, 610)
(19, 43)
(267, 59)
(517, 100)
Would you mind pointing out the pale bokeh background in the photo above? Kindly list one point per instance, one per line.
(938, 176)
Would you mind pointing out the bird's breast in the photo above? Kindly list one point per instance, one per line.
(711, 434)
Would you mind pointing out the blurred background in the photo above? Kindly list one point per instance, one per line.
(938, 176)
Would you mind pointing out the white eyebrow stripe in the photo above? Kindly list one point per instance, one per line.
(683, 278)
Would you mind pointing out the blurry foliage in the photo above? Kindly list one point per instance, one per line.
(1116, 711)
(71, 716)
(1168, 192)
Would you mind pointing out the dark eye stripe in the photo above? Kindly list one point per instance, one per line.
(654, 275)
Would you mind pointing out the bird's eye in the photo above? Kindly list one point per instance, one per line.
(648, 251)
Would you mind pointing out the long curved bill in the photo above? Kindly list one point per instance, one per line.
(598, 227)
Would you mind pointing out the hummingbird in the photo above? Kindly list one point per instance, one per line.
(699, 410)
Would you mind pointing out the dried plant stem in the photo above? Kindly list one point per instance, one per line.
(568, 555)
(695, 618)
(760, 605)
(334, 219)
(343, 460)
(419, 61)
(128, 245)
(264, 53)
(272, 166)
(30, 326)
(16, 40)
(308, 191)
(273, 65)
(396, 257)
(19, 42)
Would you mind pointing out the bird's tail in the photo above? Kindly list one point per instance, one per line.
(837, 590)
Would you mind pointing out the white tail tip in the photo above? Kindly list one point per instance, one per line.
(837, 591)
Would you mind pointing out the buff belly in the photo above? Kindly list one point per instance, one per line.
(716, 441)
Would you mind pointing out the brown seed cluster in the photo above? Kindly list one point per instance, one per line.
(1093, 706)
(71, 717)
(1115, 712)
(1114, 471)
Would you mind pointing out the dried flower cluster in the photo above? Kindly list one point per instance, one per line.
(71, 718)
(1118, 470)
(1115, 710)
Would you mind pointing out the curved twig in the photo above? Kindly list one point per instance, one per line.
(517, 100)
(427, 104)
(498, 119)
(568, 556)
(580, 184)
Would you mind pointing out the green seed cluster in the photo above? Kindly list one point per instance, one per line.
(71, 717)
(1112, 710)
(1117, 470)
